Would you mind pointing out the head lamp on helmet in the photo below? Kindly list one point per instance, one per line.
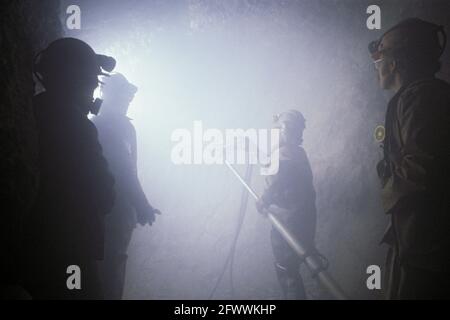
(70, 58)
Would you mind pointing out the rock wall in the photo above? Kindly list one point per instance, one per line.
(26, 27)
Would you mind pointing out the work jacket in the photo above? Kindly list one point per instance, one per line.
(415, 173)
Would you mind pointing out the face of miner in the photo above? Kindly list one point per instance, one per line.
(290, 133)
(385, 65)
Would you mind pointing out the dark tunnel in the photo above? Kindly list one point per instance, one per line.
(223, 65)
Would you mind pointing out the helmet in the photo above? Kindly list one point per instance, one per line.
(116, 83)
(71, 56)
(414, 37)
(292, 118)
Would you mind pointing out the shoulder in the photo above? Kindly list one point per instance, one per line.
(293, 154)
(427, 88)
(293, 159)
(425, 95)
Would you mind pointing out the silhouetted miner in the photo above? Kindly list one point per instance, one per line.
(415, 169)
(118, 138)
(65, 227)
(291, 189)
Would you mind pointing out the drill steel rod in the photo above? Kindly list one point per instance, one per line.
(313, 263)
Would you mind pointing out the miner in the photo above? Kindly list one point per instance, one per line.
(64, 230)
(415, 170)
(291, 189)
(118, 138)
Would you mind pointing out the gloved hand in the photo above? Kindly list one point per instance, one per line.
(262, 206)
(146, 214)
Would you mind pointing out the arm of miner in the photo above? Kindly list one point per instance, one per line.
(273, 188)
(144, 210)
(424, 131)
(101, 179)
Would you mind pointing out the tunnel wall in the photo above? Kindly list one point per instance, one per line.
(26, 27)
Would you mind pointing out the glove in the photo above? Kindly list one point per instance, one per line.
(147, 215)
(262, 206)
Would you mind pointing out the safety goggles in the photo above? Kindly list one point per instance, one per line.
(376, 52)
(377, 63)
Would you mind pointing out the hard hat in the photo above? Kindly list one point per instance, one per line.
(413, 35)
(117, 83)
(292, 118)
(70, 55)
